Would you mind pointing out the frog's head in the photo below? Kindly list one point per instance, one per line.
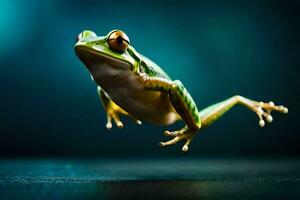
(103, 54)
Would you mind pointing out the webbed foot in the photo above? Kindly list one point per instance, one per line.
(185, 133)
(263, 110)
(113, 114)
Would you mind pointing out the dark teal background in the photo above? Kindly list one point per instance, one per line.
(49, 105)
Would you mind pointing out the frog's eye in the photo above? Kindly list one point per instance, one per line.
(118, 41)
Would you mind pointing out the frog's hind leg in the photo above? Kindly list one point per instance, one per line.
(184, 106)
(113, 111)
(214, 112)
(263, 110)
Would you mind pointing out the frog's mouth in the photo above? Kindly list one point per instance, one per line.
(102, 67)
(94, 59)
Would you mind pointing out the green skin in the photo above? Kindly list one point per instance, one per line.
(130, 84)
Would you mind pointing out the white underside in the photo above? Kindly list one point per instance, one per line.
(126, 89)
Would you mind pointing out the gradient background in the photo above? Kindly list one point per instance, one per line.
(49, 105)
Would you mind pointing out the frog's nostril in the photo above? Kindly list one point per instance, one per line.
(88, 33)
(85, 34)
(79, 36)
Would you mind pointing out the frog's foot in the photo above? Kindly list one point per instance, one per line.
(185, 133)
(114, 115)
(263, 110)
(113, 111)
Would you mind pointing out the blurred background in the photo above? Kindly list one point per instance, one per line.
(49, 106)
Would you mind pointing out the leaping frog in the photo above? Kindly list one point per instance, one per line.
(130, 84)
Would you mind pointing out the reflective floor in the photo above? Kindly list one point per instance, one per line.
(150, 179)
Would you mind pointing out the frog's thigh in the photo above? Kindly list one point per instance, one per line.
(180, 99)
(108, 104)
(105, 99)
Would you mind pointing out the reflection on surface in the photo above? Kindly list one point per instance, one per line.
(188, 189)
(150, 179)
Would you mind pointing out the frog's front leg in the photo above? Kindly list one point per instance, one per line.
(113, 111)
(184, 106)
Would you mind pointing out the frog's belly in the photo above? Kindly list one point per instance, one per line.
(126, 89)
(145, 105)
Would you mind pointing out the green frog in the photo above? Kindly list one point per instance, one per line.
(132, 85)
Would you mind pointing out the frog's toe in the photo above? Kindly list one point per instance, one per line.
(137, 121)
(176, 139)
(108, 123)
(172, 141)
(269, 107)
(263, 111)
(171, 133)
(176, 133)
(119, 124)
(116, 119)
(185, 147)
(183, 134)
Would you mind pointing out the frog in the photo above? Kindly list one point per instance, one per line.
(130, 84)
